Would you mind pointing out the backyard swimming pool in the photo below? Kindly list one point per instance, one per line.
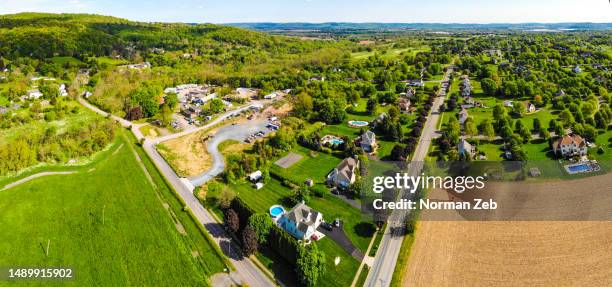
(333, 140)
(358, 124)
(581, 167)
(276, 211)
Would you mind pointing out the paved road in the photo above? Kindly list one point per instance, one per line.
(381, 272)
(246, 270)
(237, 132)
(34, 176)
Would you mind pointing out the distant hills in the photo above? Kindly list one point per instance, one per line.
(344, 26)
(44, 35)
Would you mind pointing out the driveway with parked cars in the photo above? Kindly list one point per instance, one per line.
(337, 234)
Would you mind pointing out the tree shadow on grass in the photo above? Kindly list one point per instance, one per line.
(282, 269)
(365, 229)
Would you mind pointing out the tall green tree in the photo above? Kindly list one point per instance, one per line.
(311, 265)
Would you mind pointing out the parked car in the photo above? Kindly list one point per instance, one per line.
(337, 222)
(327, 226)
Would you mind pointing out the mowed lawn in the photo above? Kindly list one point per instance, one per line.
(108, 224)
(313, 165)
(341, 274)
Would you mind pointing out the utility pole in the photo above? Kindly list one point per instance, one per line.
(103, 208)
(48, 243)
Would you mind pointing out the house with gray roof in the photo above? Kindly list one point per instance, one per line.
(301, 222)
(462, 116)
(344, 174)
(465, 148)
(368, 142)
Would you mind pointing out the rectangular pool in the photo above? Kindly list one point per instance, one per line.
(578, 168)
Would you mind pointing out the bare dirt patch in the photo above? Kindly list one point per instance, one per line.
(515, 253)
(187, 154)
(278, 110)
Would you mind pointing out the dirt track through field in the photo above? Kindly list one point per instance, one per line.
(35, 176)
(507, 253)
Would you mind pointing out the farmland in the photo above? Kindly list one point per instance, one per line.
(459, 252)
(89, 224)
(447, 253)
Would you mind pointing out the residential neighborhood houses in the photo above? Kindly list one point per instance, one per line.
(344, 174)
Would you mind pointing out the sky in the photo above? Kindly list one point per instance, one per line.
(399, 11)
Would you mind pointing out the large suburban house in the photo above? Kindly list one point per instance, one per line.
(462, 116)
(570, 145)
(34, 94)
(465, 148)
(404, 105)
(344, 174)
(368, 142)
(531, 108)
(271, 96)
(139, 66)
(62, 90)
(301, 222)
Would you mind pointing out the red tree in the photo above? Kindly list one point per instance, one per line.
(232, 222)
(249, 241)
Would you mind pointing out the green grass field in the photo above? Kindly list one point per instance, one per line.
(315, 165)
(63, 60)
(81, 118)
(109, 224)
(388, 54)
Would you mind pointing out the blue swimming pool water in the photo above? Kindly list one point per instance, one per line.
(358, 123)
(336, 141)
(578, 168)
(276, 211)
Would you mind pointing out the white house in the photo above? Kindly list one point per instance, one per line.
(34, 94)
(317, 79)
(465, 148)
(170, 90)
(301, 222)
(531, 108)
(368, 142)
(255, 176)
(139, 66)
(570, 145)
(344, 174)
(62, 90)
(462, 116)
(256, 106)
(271, 96)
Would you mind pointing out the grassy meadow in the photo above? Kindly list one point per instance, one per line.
(111, 223)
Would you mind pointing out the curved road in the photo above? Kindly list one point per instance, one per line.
(247, 271)
(237, 132)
